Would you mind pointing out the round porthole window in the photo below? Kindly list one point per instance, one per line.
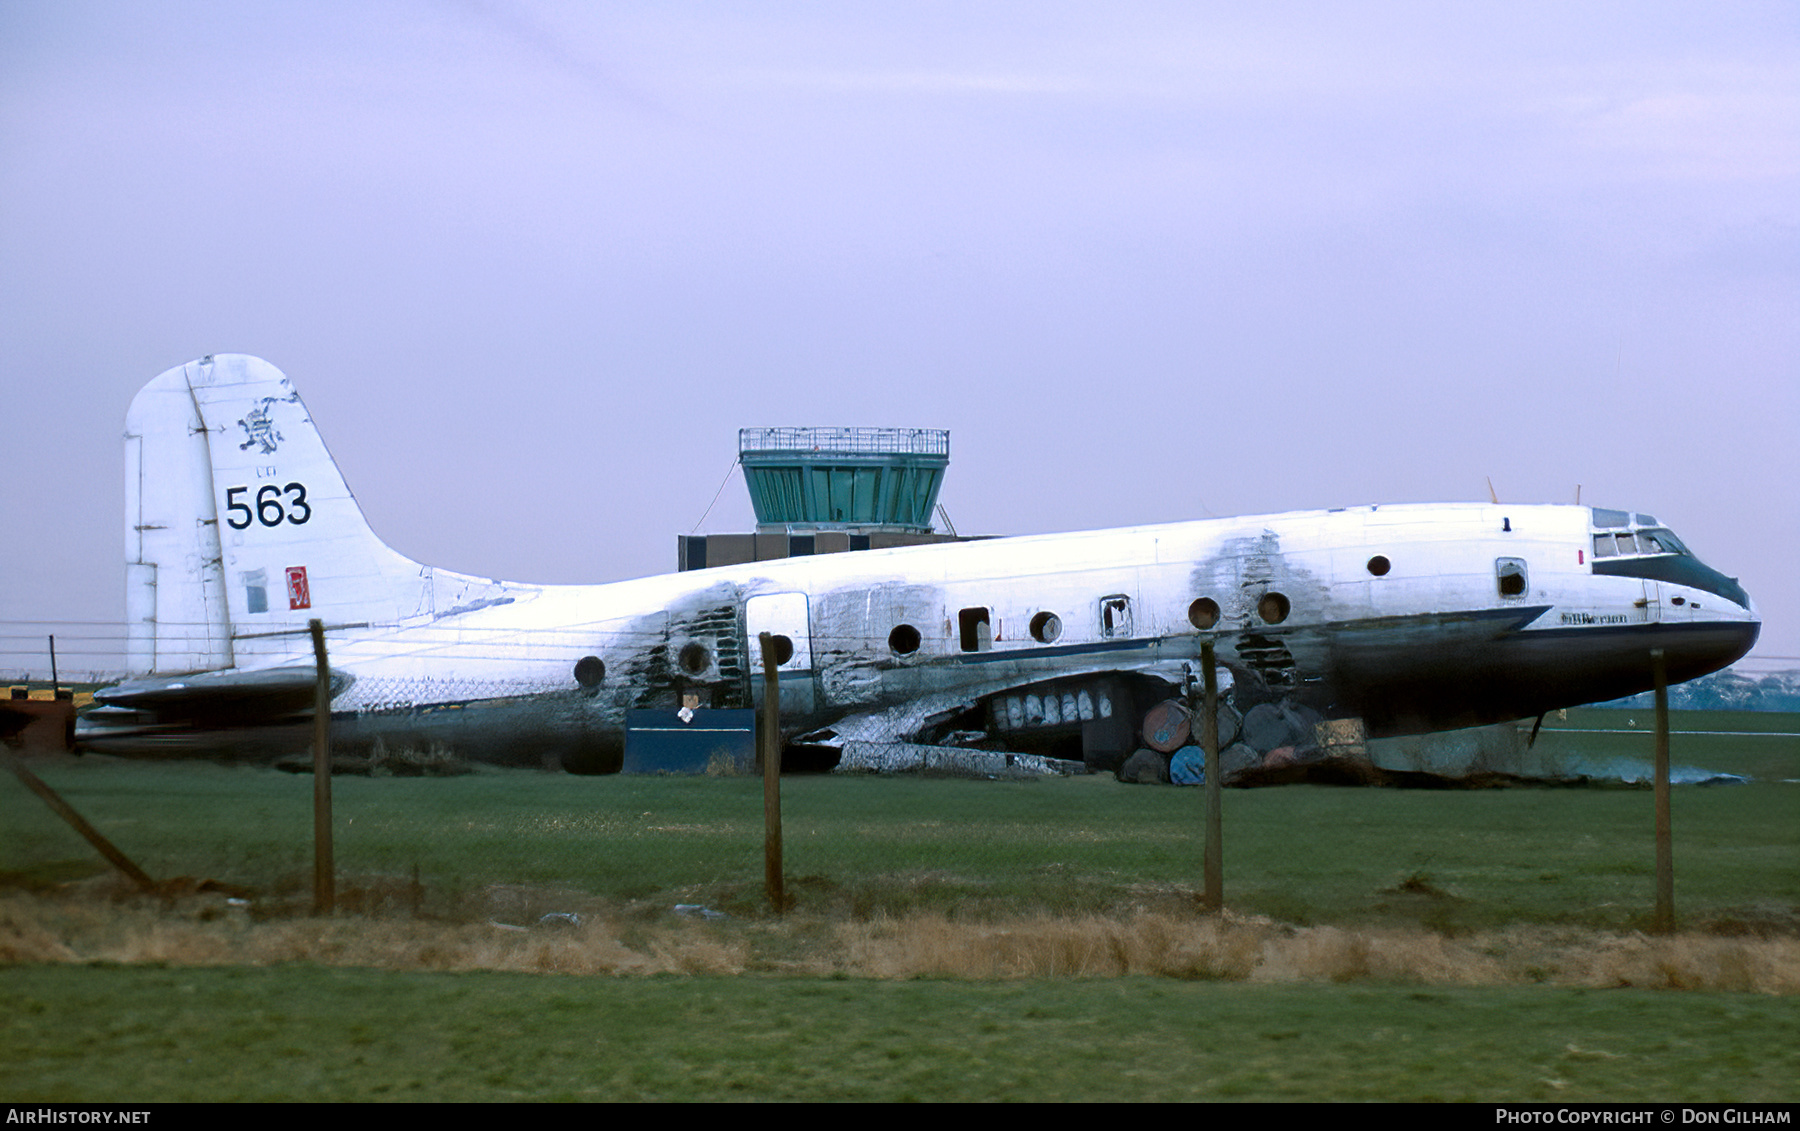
(904, 640)
(1379, 565)
(694, 658)
(1273, 608)
(783, 647)
(1203, 613)
(1046, 627)
(590, 671)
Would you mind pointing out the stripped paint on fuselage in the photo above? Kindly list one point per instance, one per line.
(1411, 617)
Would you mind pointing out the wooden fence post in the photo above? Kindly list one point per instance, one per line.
(769, 739)
(324, 872)
(1215, 806)
(1663, 921)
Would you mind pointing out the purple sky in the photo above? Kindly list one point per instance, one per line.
(531, 265)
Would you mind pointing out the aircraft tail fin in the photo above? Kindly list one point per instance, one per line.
(240, 528)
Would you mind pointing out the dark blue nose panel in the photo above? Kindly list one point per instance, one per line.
(1677, 569)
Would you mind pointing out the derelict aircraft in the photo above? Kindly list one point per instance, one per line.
(1413, 618)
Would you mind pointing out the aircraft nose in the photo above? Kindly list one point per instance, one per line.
(1713, 647)
(1720, 633)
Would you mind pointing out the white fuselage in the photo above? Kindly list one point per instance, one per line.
(240, 530)
(1431, 641)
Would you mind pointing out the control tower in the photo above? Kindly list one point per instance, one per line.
(829, 490)
(862, 479)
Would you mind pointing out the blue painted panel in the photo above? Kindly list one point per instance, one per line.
(658, 742)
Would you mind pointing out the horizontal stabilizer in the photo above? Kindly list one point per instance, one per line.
(263, 694)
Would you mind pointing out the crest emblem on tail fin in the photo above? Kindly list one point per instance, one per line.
(259, 428)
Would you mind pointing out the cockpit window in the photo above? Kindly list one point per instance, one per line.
(1654, 553)
(1623, 545)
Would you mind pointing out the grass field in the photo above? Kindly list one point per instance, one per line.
(1382, 943)
(856, 846)
(1758, 744)
(315, 1033)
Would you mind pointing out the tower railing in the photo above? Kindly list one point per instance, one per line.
(874, 441)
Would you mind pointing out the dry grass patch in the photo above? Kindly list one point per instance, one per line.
(1680, 962)
(1045, 946)
(1335, 954)
(1244, 948)
(214, 933)
(601, 939)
